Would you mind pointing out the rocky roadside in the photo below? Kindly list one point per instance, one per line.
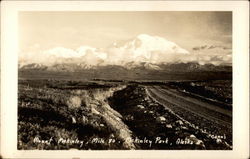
(154, 126)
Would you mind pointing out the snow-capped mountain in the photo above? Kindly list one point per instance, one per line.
(145, 48)
(144, 51)
(144, 44)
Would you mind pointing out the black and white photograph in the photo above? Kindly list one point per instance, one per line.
(125, 80)
(108, 77)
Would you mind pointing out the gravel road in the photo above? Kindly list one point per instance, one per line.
(178, 102)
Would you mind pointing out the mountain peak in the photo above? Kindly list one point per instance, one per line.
(144, 36)
(156, 43)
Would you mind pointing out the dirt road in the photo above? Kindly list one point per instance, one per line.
(187, 106)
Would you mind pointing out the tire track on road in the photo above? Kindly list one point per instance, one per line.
(167, 99)
(192, 100)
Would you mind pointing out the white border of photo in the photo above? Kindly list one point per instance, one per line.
(9, 75)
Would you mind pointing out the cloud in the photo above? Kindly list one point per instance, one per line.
(207, 47)
(215, 54)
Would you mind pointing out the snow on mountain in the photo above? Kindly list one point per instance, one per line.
(60, 55)
(60, 52)
(152, 66)
(142, 51)
(144, 44)
(85, 49)
(145, 48)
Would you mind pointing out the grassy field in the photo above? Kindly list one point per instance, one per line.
(68, 110)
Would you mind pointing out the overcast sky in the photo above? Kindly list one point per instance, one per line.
(45, 30)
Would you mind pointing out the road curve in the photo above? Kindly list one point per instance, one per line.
(173, 99)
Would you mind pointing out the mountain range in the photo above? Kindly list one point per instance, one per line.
(144, 53)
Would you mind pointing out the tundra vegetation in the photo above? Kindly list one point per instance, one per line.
(102, 114)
